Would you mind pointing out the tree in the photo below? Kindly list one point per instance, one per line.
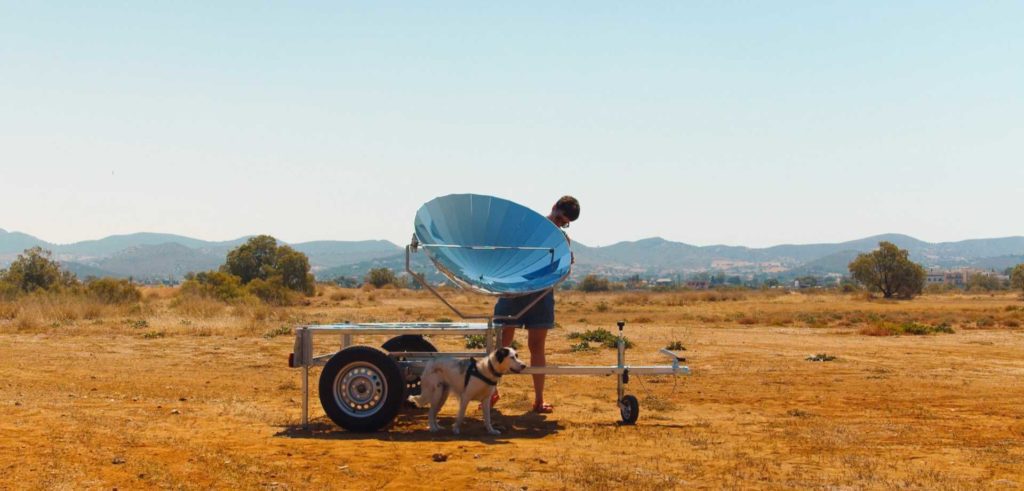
(260, 258)
(1017, 277)
(890, 271)
(293, 267)
(983, 282)
(594, 283)
(253, 259)
(381, 277)
(35, 270)
(113, 291)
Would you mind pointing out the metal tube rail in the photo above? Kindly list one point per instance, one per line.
(604, 370)
(489, 248)
(399, 328)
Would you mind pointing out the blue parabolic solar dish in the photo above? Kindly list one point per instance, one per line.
(531, 254)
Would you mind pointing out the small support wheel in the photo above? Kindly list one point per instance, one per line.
(409, 342)
(629, 408)
(361, 389)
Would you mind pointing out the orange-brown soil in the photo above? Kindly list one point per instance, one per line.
(165, 395)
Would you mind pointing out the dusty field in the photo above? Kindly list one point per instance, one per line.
(198, 395)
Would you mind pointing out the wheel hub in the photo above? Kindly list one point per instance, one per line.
(360, 389)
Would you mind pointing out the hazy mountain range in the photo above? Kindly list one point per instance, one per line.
(154, 256)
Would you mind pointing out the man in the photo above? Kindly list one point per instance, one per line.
(539, 319)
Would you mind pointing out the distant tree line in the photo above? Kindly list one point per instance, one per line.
(35, 272)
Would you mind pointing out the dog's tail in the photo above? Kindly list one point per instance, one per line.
(428, 384)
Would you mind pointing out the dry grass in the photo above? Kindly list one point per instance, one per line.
(193, 394)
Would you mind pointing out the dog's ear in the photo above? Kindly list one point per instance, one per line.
(501, 354)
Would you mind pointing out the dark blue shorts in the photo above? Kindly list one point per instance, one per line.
(541, 316)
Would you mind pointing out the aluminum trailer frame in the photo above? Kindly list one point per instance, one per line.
(365, 390)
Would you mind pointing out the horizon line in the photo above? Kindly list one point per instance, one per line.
(579, 242)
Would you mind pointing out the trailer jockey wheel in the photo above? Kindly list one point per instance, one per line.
(629, 408)
(409, 342)
(361, 389)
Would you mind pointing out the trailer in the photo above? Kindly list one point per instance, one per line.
(362, 388)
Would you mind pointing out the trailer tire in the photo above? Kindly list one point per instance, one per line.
(629, 408)
(409, 342)
(361, 389)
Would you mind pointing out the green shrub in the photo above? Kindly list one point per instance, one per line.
(280, 331)
(821, 357)
(676, 346)
(225, 287)
(381, 277)
(272, 291)
(113, 291)
(915, 329)
(35, 270)
(476, 341)
(593, 283)
(601, 336)
(581, 347)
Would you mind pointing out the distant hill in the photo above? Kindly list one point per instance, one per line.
(659, 256)
(83, 271)
(837, 262)
(159, 262)
(16, 242)
(108, 246)
(396, 262)
(155, 256)
(333, 253)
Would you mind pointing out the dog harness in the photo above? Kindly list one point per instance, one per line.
(472, 371)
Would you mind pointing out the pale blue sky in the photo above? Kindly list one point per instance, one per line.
(748, 123)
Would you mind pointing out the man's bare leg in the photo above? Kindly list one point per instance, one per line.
(536, 340)
(507, 335)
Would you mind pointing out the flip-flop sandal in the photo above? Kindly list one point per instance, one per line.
(544, 408)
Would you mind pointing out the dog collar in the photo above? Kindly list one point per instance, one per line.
(491, 368)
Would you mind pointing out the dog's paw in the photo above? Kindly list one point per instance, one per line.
(434, 429)
(455, 430)
(494, 431)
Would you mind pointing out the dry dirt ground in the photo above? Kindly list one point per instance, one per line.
(166, 395)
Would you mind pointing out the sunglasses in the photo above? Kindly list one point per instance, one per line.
(562, 221)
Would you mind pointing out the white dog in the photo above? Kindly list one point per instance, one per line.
(470, 380)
